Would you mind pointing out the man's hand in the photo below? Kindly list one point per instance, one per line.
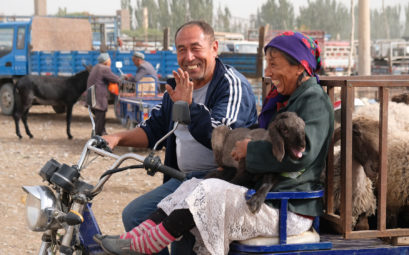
(240, 149)
(184, 87)
(111, 140)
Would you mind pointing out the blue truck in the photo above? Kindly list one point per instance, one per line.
(51, 46)
(21, 54)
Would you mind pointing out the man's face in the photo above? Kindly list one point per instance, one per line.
(196, 54)
(136, 61)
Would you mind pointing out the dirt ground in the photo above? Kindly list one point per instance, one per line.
(21, 160)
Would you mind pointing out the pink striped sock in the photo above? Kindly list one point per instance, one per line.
(139, 230)
(152, 241)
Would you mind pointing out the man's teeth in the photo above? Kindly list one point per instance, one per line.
(192, 67)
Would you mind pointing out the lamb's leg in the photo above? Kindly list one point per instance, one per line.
(257, 200)
(24, 119)
(226, 174)
(242, 177)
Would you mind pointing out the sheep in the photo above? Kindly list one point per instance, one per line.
(366, 160)
(287, 135)
(401, 98)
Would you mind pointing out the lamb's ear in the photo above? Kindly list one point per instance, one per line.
(277, 143)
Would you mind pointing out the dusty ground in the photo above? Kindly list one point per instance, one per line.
(21, 160)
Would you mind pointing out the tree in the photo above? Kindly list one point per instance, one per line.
(164, 14)
(388, 22)
(199, 10)
(179, 14)
(278, 15)
(222, 22)
(327, 15)
(406, 31)
(152, 13)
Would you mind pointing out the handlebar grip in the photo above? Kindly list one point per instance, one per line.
(172, 172)
(152, 164)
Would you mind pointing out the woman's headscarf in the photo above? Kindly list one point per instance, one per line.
(303, 49)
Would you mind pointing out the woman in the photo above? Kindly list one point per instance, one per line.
(215, 211)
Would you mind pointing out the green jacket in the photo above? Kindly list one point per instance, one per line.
(312, 104)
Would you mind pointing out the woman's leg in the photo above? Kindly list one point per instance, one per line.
(154, 239)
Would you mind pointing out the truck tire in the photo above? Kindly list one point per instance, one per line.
(59, 108)
(7, 98)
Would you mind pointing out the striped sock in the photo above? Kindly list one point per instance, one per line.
(139, 230)
(153, 241)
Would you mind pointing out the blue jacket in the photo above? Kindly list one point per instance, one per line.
(229, 101)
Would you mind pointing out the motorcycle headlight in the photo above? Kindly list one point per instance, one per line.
(40, 204)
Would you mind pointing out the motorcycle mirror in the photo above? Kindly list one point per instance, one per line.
(91, 102)
(181, 113)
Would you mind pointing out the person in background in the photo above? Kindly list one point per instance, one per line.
(217, 94)
(215, 210)
(100, 76)
(143, 67)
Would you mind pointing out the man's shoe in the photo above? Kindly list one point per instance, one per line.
(114, 245)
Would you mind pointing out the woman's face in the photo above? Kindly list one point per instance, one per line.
(283, 75)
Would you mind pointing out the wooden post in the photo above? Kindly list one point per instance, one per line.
(103, 46)
(166, 38)
(259, 71)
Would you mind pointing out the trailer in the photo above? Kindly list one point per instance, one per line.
(136, 100)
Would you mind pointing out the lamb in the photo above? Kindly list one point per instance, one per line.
(366, 160)
(286, 134)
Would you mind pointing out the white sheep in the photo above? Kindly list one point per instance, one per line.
(366, 161)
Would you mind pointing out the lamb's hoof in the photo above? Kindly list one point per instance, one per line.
(254, 204)
(69, 137)
(19, 137)
(31, 136)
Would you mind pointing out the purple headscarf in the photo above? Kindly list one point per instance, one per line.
(306, 52)
(299, 46)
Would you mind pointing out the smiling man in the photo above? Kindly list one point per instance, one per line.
(217, 94)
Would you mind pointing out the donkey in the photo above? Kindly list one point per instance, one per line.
(47, 90)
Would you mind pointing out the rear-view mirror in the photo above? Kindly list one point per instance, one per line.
(91, 100)
(181, 113)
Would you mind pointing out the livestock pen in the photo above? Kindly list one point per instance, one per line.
(349, 86)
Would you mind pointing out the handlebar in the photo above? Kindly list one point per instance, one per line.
(152, 163)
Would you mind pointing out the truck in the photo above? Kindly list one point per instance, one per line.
(60, 47)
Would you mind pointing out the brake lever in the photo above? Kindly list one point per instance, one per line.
(101, 143)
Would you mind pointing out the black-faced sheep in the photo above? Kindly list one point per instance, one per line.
(366, 160)
(286, 134)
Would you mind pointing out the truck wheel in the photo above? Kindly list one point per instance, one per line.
(59, 108)
(7, 99)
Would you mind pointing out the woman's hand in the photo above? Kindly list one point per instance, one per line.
(184, 87)
(240, 149)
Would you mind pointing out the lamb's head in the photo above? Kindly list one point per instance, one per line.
(287, 135)
(365, 143)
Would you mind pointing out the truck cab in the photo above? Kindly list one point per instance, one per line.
(14, 47)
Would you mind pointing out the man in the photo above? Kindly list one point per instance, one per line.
(100, 76)
(144, 67)
(217, 95)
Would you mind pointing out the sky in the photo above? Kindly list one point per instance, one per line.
(239, 8)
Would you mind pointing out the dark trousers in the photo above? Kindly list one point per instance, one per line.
(99, 121)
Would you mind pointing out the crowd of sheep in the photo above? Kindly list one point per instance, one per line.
(365, 165)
